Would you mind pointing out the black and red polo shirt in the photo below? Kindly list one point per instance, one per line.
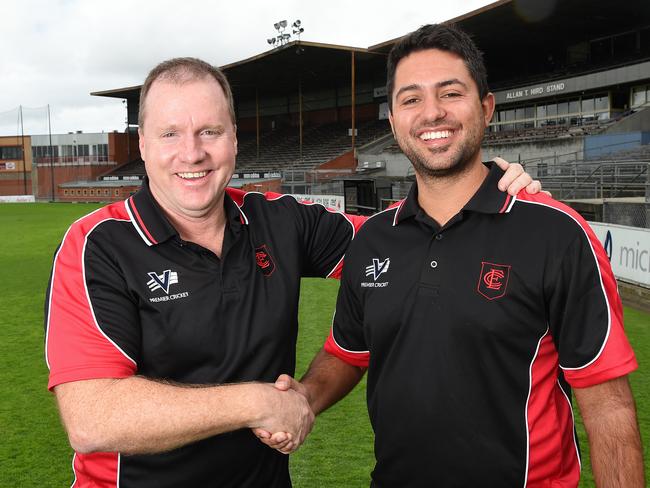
(473, 334)
(128, 296)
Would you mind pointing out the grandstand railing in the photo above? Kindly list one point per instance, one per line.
(314, 175)
(602, 179)
(72, 160)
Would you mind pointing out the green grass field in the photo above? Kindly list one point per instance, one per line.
(34, 450)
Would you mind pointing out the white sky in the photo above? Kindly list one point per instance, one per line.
(58, 51)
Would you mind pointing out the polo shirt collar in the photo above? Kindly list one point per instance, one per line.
(152, 224)
(488, 198)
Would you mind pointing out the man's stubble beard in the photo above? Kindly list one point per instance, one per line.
(425, 164)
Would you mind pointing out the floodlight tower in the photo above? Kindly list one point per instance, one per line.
(297, 30)
(283, 38)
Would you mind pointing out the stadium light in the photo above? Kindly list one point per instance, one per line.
(297, 30)
(283, 38)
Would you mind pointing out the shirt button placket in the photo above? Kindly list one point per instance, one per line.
(434, 263)
(430, 281)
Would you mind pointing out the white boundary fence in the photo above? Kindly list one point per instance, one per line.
(628, 249)
(330, 201)
(17, 199)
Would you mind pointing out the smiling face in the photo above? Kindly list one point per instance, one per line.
(188, 144)
(437, 116)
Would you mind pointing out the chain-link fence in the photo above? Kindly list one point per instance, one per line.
(616, 192)
(624, 213)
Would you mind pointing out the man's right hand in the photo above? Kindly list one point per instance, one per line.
(327, 381)
(289, 418)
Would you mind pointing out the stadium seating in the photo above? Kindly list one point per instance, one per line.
(280, 148)
(132, 168)
(546, 132)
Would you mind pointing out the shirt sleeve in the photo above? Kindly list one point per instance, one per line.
(90, 320)
(586, 315)
(326, 235)
(346, 340)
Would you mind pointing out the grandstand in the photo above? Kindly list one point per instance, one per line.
(322, 143)
(571, 80)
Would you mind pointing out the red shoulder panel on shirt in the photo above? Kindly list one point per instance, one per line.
(616, 357)
(75, 347)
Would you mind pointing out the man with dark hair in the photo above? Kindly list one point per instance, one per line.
(475, 313)
(169, 313)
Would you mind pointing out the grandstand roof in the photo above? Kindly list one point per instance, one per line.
(532, 24)
(517, 36)
(127, 92)
(282, 67)
(310, 61)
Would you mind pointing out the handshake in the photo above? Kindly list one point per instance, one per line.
(287, 415)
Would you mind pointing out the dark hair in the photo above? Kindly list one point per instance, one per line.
(183, 70)
(445, 38)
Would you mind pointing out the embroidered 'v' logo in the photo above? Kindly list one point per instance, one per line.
(377, 268)
(163, 281)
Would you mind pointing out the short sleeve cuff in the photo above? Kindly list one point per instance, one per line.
(88, 373)
(360, 359)
(584, 378)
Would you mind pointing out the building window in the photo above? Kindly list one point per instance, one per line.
(520, 113)
(588, 105)
(640, 95)
(11, 152)
(83, 150)
(602, 102)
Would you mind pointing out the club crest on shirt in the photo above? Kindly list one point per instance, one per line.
(264, 260)
(493, 280)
